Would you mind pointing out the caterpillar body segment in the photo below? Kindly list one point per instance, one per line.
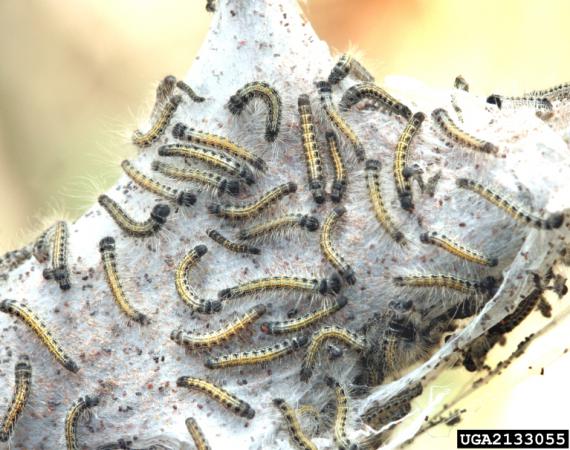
(181, 198)
(338, 122)
(214, 159)
(376, 199)
(371, 91)
(152, 225)
(340, 178)
(296, 434)
(281, 223)
(22, 388)
(341, 415)
(306, 320)
(142, 140)
(228, 400)
(24, 313)
(72, 420)
(331, 254)
(401, 161)
(183, 288)
(231, 246)
(251, 210)
(257, 356)
(335, 332)
(346, 65)
(185, 87)
(211, 180)
(197, 435)
(208, 140)
(107, 249)
(455, 248)
(267, 94)
(310, 149)
(487, 285)
(216, 337)
(553, 221)
(456, 134)
(314, 285)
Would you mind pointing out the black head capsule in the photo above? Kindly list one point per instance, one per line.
(334, 283)
(160, 212)
(495, 100)
(554, 221)
(179, 130)
(323, 87)
(236, 104)
(107, 244)
(309, 222)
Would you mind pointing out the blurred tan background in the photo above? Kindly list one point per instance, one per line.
(76, 73)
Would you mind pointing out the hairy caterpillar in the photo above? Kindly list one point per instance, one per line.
(59, 270)
(461, 84)
(231, 246)
(447, 281)
(401, 171)
(211, 180)
(230, 401)
(319, 337)
(459, 136)
(23, 312)
(72, 420)
(339, 182)
(40, 249)
(394, 409)
(210, 157)
(340, 437)
(336, 119)
(157, 129)
(375, 193)
(287, 221)
(373, 92)
(457, 249)
(197, 435)
(257, 356)
(216, 337)
(107, 249)
(306, 320)
(185, 87)
(553, 221)
(149, 227)
(559, 92)
(183, 288)
(271, 98)
(311, 149)
(348, 64)
(284, 282)
(251, 210)
(201, 139)
(540, 104)
(337, 261)
(182, 198)
(22, 387)
(300, 439)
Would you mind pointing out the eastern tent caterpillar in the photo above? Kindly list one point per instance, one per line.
(267, 94)
(184, 289)
(211, 180)
(336, 260)
(210, 157)
(22, 387)
(182, 198)
(311, 149)
(231, 246)
(163, 92)
(282, 223)
(300, 439)
(185, 87)
(253, 209)
(197, 435)
(457, 249)
(201, 139)
(401, 161)
(40, 249)
(59, 270)
(374, 191)
(216, 337)
(230, 401)
(339, 182)
(258, 355)
(72, 420)
(336, 119)
(340, 438)
(461, 84)
(348, 64)
(320, 337)
(306, 320)
(394, 409)
(373, 92)
(559, 92)
(553, 221)
(130, 226)
(157, 129)
(107, 249)
(23, 312)
(447, 281)
(540, 104)
(456, 134)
